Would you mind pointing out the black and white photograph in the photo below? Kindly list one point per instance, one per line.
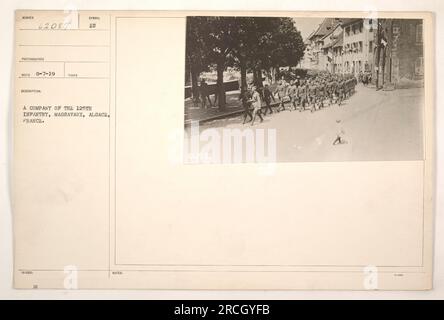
(284, 89)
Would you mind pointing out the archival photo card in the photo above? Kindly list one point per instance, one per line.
(223, 150)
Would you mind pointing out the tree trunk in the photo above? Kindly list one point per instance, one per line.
(243, 72)
(257, 77)
(273, 74)
(383, 67)
(220, 85)
(278, 74)
(378, 53)
(194, 83)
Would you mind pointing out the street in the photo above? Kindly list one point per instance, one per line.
(376, 125)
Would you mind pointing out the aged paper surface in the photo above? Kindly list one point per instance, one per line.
(103, 196)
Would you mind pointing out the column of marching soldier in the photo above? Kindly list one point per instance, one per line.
(314, 93)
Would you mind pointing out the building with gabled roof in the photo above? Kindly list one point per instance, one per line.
(326, 58)
(316, 41)
(341, 45)
(358, 45)
(337, 48)
(325, 28)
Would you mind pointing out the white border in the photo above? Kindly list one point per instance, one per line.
(7, 8)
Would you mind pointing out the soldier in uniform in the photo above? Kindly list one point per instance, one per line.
(281, 91)
(268, 95)
(334, 91)
(204, 94)
(298, 96)
(328, 89)
(349, 87)
(257, 105)
(312, 95)
(292, 93)
(342, 89)
(321, 94)
(302, 93)
(245, 97)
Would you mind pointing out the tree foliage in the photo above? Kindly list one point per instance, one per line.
(248, 43)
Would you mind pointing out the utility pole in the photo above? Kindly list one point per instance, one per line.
(378, 52)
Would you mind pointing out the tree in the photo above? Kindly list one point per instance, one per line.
(265, 43)
(249, 43)
(282, 45)
(219, 38)
(244, 45)
(196, 51)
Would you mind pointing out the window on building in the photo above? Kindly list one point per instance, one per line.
(360, 46)
(347, 31)
(419, 33)
(370, 46)
(412, 29)
(361, 24)
(371, 25)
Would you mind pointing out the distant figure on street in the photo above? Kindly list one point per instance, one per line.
(367, 78)
(340, 132)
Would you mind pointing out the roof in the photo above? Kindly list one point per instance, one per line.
(325, 27)
(346, 22)
(335, 39)
(335, 43)
(331, 30)
(308, 40)
(340, 41)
